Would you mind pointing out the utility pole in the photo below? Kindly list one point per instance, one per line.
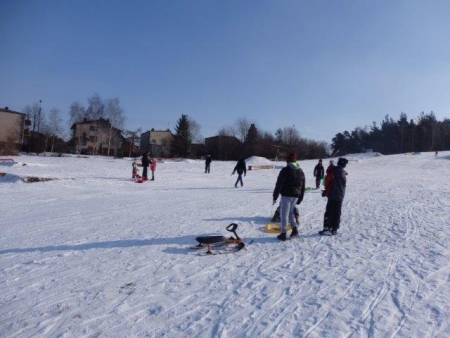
(39, 116)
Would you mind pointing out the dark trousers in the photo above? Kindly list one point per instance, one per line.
(144, 173)
(239, 179)
(332, 217)
(318, 182)
(207, 169)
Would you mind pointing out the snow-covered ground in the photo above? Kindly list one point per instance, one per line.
(93, 254)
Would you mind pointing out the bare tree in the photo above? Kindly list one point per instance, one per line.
(133, 137)
(242, 127)
(227, 131)
(96, 107)
(33, 111)
(290, 137)
(116, 117)
(77, 112)
(54, 125)
(194, 130)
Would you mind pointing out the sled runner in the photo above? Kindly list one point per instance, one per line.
(275, 227)
(233, 244)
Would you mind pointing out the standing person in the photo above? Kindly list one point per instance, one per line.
(145, 163)
(241, 169)
(335, 185)
(291, 186)
(318, 173)
(436, 153)
(330, 167)
(208, 163)
(327, 172)
(153, 167)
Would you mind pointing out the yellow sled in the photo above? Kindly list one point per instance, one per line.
(275, 228)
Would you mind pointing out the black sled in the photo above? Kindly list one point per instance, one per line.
(232, 244)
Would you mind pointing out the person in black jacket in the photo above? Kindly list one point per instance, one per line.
(318, 173)
(208, 163)
(241, 169)
(145, 164)
(291, 186)
(335, 191)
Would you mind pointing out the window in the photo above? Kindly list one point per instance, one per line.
(93, 128)
(92, 139)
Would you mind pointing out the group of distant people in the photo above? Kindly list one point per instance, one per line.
(240, 168)
(290, 185)
(146, 162)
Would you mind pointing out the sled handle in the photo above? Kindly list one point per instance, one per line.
(232, 228)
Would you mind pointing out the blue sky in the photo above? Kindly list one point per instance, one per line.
(321, 66)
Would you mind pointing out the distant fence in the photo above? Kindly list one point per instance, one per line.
(257, 167)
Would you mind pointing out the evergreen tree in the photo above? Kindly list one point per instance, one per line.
(182, 140)
(251, 141)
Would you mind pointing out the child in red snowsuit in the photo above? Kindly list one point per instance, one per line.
(153, 168)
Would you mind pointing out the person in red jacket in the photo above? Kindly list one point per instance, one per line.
(335, 184)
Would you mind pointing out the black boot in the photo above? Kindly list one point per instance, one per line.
(294, 232)
(326, 232)
(282, 236)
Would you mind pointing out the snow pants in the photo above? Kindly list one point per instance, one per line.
(332, 217)
(318, 182)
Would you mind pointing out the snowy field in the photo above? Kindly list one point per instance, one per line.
(93, 254)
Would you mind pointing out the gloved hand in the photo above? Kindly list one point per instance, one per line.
(274, 201)
(299, 201)
(323, 193)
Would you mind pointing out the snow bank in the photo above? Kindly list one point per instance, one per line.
(256, 160)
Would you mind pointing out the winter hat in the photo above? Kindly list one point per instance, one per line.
(320, 161)
(342, 162)
(291, 158)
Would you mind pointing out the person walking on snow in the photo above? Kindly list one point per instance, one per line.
(153, 167)
(335, 185)
(318, 173)
(291, 186)
(241, 169)
(145, 164)
(208, 163)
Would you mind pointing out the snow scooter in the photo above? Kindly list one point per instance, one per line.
(236, 243)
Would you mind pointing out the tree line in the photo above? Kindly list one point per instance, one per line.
(425, 133)
(251, 141)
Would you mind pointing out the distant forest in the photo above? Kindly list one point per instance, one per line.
(424, 133)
